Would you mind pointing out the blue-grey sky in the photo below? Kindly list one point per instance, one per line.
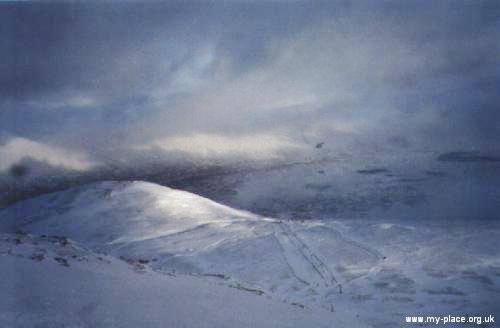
(85, 84)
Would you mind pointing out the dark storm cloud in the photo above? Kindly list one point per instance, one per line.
(119, 80)
(76, 45)
(57, 46)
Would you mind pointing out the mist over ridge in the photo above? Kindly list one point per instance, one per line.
(185, 94)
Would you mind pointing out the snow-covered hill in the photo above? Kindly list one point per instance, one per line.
(356, 271)
(53, 282)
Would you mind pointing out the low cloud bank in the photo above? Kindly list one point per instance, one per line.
(109, 90)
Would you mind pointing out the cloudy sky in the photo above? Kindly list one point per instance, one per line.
(86, 85)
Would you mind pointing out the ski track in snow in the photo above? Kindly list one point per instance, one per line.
(304, 263)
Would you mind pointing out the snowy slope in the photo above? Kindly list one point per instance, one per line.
(361, 272)
(52, 282)
(180, 232)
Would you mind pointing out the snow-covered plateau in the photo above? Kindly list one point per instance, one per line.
(137, 254)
